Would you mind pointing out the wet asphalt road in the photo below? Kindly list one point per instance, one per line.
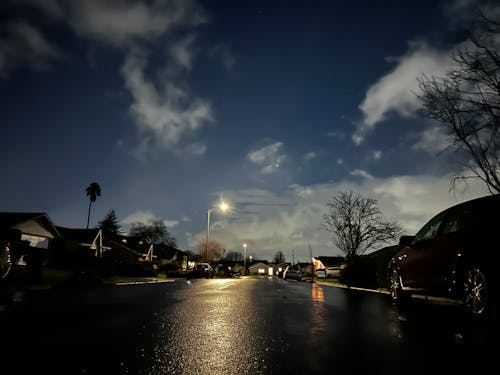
(235, 326)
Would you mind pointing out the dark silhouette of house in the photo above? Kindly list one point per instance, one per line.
(78, 246)
(33, 227)
(158, 252)
(26, 238)
(34, 231)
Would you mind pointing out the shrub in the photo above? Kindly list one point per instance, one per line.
(361, 272)
(136, 269)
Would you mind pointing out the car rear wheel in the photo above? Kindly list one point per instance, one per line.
(5, 262)
(475, 292)
(398, 295)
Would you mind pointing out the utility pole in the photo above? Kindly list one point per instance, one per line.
(293, 257)
(245, 259)
(312, 264)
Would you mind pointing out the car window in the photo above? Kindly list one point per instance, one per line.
(456, 220)
(465, 217)
(429, 231)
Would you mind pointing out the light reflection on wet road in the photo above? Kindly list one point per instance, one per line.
(214, 329)
(235, 326)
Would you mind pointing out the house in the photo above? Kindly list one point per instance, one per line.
(329, 261)
(305, 267)
(26, 239)
(159, 253)
(91, 239)
(35, 228)
(165, 254)
(260, 269)
(280, 268)
(77, 245)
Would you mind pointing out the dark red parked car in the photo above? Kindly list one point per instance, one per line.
(456, 254)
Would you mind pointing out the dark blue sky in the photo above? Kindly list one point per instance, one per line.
(274, 105)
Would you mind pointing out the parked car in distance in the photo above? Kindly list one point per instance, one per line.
(333, 271)
(321, 273)
(202, 270)
(292, 273)
(455, 254)
(235, 273)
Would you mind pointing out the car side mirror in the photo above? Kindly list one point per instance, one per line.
(406, 240)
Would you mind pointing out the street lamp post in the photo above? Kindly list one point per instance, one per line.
(223, 207)
(245, 258)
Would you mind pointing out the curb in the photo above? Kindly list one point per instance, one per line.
(138, 282)
(343, 286)
(424, 297)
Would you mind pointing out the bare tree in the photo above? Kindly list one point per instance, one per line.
(357, 224)
(279, 257)
(154, 232)
(214, 251)
(467, 103)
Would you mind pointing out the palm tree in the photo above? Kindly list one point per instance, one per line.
(93, 191)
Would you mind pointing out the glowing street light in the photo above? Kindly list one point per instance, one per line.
(223, 206)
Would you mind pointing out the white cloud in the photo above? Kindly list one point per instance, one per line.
(146, 217)
(396, 91)
(122, 22)
(223, 53)
(336, 134)
(361, 173)
(168, 114)
(270, 221)
(164, 110)
(432, 140)
(462, 13)
(376, 154)
(23, 45)
(182, 51)
(340, 161)
(269, 157)
(310, 156)
(170, 223)
(196, 148)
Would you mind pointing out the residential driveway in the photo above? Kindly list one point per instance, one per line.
(235, 326)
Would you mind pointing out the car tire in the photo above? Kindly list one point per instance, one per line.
(399, 296)
(5, 262)
(476, 292)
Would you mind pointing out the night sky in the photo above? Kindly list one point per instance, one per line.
(273, 105)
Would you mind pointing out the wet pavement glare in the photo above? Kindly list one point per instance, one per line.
(235, 326)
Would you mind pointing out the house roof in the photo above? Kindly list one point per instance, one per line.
(258, 265)
(329, 261)
(78, 235)
(34, 223)
(87, 236)
(283, 264)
